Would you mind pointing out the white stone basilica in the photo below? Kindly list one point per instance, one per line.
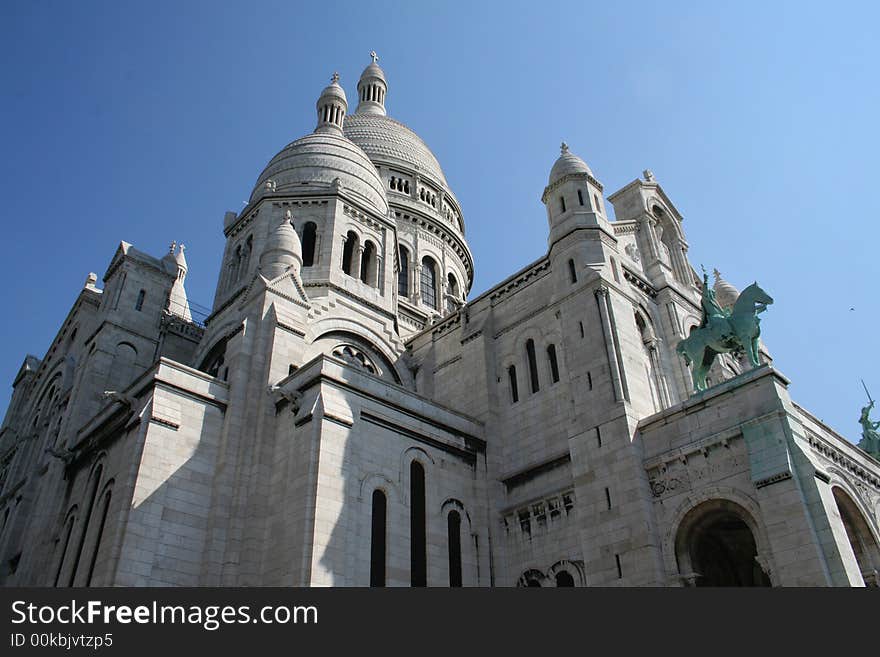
(346, 417)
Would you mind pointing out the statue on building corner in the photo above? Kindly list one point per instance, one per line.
(722, 331)
(870, 442)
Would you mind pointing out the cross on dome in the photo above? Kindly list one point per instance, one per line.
(563, 148)
(335, 77)
(374, 56)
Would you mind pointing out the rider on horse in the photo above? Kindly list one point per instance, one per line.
(712, 312)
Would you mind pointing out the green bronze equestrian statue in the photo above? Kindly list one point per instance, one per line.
(870, 442)
(722, 331)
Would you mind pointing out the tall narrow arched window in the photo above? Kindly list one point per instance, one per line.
(139, 304)
(105, 507)
(87, 513)
(403, 273)
(453, 291)
(572, 272)
(68, 531)
(511, 376)
(454, 537)
(562, 203)
(368, 263)
(310, 236)
(246, 254)
(580, 197)
(533, 364)
(418, 535)
(554, 366)
(429, 283)
(348, 251)
(377, 539)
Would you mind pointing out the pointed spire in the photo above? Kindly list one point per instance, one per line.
(331, 106)
(372, 88)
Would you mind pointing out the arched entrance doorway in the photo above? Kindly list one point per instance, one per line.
(862, 541)
(715, 546)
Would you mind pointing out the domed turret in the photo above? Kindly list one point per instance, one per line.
(283, 250)
(568, 163)
(372, 88)
(331, 106)
(725, 293)
(573, 198)
(324, 159)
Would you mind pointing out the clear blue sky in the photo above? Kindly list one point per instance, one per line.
(146, 121)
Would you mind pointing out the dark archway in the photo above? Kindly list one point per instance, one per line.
(864, 546)
(716, 547)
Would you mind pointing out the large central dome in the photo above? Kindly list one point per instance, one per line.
(389, 141)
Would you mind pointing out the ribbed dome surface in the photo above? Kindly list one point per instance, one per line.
(388, 141)
(317, 160)
(567, 164)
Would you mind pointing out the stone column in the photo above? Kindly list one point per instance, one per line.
(608, 331)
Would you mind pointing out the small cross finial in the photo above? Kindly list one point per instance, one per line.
(171, 247)
(374, 56)
(335, 77)
(564, 148)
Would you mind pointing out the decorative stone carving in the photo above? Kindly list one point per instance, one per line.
(633, 252)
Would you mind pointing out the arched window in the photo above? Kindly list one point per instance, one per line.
(377, 539)
(596, 200)
(562, 203)
(554, 366)
(105, 507)
(139, 304)
(348, 251)
(403, 273)
(533, 364)
(368, 264)
(454, 537)
(418, 534)
(453, 291)
(246, 255)
(580, 197)
(87, 513)
(429, 283)
(564, 578)
(572, 272)
(511, 375)
(310, 236)
(123, 366)
(67, 533)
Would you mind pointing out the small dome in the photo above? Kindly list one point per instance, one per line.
(725, 293)
(284, 238)
(567, 164)
(316, 161)
(283, 249)
(372, 88)
(332, 90)
(373, 70)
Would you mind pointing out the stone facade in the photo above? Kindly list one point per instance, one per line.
(345, 417)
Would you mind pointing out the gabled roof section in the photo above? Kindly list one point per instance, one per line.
(126, 250)
(30, 366)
